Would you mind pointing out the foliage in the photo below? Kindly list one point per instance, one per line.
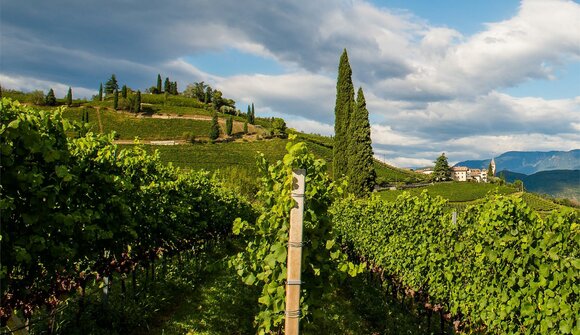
(342, 113)
(278, 127)
(111, 85)
(68, 97)
(214, 132)
(500, 267)
(229, 125)
(137, 108)
(245, 127)
(116, 100)
(158, 87)
(360, 168)
(79, 208)
(100, 96)
(263, 263)
(50, 99)
(441, 171)
(124, 91)
(452, 191)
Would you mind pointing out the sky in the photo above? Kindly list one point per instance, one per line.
(472, 79)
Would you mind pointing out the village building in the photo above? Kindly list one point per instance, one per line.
(459, 173)
(463, 173)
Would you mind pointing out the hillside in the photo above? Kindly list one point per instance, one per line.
(557, 183)
(186, 122)
(529, 162)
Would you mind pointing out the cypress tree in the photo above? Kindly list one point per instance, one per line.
(69, 97)
(215, 127)
(124, 92)
(174, 88)
(245, 127)
(101, 92)
(138, 102)
(158, 83)
(342, 113)
(50, 99)
(249, 115)
(229, 125)
(167, 85)
(359, 154)
(253, 115)
(116, 100)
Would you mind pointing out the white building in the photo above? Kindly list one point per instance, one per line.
(459, 173)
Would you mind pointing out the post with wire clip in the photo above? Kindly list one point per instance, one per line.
(295, 245)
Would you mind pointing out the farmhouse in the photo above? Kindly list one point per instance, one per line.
(463, 173)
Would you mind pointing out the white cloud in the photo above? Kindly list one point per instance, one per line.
(429, 89)
(27, 84)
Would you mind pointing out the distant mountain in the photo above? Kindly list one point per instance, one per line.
(530, 162)
(557, 183)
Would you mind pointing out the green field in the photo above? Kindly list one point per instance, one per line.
(128, 127)
(453, 191)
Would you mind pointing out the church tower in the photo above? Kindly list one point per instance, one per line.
(492, 165)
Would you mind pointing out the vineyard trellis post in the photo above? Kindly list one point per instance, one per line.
(294, 266)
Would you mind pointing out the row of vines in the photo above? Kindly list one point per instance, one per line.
(497, 268)
(77, 208)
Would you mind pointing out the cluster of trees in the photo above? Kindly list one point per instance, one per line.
(206, 94)
(129, 100)
(251, 116)
(352, 151)
(169, 87)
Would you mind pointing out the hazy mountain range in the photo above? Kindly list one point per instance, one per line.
(530, 162)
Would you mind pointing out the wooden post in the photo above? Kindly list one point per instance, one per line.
(294, 266)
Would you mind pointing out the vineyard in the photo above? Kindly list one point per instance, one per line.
(79, 211)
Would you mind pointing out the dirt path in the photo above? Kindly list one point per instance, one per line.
(99, 118)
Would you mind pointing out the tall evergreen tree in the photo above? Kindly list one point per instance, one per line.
(245, 127)
(174, 88)
(215, 127)
(124, 92)
(111, 85)
(253, 121)
(138, 102)
(69, 97)
(158, 83)
(360, 169)
(101, 92)
(50, 99)
(441, 171)
(342, 113)
(116, 100)
(167, 85)
(229, 125)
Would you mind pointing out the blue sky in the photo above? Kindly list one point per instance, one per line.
(469, 78)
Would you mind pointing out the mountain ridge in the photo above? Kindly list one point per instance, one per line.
(530, 162)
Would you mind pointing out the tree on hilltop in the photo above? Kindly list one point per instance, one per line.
(116, 100)
(158, 83)
(111, 85)
(215, 127)
(124, 91)
(441, 170)
(229, 125)
(342, 113)
(101, 92)
(50, 99)
(360, 162)
(167, 85)
(137, 108)
(69, 97)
